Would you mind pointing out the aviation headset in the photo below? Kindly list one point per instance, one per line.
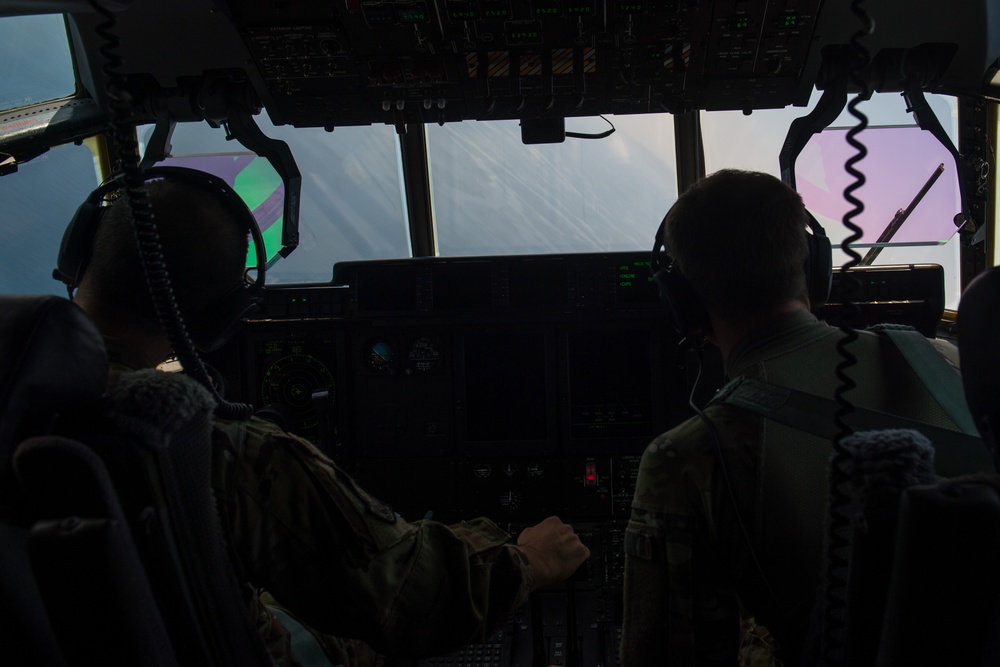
(688, 314)
(221, 319)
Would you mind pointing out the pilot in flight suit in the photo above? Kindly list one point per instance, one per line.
(303, 535)
(724, 546)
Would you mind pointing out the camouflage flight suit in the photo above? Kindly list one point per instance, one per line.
(306, 538)
(694, 592)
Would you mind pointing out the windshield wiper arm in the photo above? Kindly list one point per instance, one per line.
(900, 217)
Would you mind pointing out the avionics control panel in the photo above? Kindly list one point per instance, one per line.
(398, 61)
(510, 387)
(504, 386)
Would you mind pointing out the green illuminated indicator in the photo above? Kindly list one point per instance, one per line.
(378, 13)
(412, 16)
(741, 23)
(630, 8)
(463, 14)
(791, 20)
(546, 10)
(495, 13)
(524, 35)
(583, 9)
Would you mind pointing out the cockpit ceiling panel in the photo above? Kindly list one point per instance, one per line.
(401, 61)
(325, 63)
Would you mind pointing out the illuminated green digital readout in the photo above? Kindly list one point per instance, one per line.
(378, 14)
(546, 11)
(791, 21)
(629, 7)
(741, 23)
(579, 9)
(500, 13)
(463, 14)
(523, 35)
(412, 15)
(636, 273)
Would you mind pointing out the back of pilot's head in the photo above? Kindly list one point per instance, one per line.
(739, 239)
(204, 248)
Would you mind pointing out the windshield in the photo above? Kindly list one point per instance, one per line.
(36, 61)
(901, 159)
(495, 195)
(38, 200)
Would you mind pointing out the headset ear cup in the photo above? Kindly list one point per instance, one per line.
(78, 241)
(222, 319)
(685, 310)
(819, 272)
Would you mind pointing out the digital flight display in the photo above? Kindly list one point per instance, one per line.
(386, 288)
(610, 383)
(298, 386)
(537, 283)
(634, 284)
(505, 387)
(463, 285)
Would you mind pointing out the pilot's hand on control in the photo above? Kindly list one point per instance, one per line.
(554, 551)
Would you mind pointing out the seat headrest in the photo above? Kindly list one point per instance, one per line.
(978, 333)
(52, 360)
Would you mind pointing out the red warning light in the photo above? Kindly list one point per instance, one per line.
(590, 473)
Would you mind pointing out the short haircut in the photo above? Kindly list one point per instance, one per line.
(739, 239)
(204, 249)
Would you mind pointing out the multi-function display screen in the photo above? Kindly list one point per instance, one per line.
(506, 393)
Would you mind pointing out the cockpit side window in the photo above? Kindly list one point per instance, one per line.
(352, 202)
(907, 172)
(37, 203)
(37, 65)
(39, 199)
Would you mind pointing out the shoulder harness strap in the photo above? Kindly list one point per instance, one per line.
(815, 414)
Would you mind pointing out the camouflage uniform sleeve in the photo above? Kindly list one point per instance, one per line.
(346, 564)
(679, 604)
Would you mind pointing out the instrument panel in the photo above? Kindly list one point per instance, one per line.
(509, 387)
(504, 386)
(295, 375)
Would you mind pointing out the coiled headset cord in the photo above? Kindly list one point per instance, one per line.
(148, 240)
(838, 532)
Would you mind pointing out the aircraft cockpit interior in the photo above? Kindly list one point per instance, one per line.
(457, 200)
